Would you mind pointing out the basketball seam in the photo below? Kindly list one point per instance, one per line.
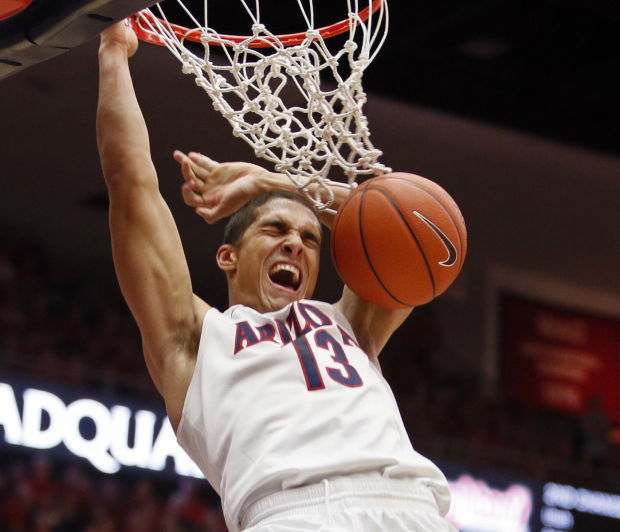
(415, 238)
(434, 196)
(368, 260)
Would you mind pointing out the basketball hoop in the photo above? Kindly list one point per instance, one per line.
(314, 125)
(290, 39)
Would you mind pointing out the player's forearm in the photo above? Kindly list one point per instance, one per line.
(122, 137)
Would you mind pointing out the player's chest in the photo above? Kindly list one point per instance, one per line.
(307, 342)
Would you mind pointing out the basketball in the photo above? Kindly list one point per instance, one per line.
(398, 240)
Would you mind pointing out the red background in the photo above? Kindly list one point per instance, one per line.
(558, 358)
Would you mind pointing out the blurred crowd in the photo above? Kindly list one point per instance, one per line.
(37, 495)
(74, 330)
(63, 327)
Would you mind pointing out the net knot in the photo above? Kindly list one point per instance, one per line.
(350, 47)
(253, 107)
(257, 29)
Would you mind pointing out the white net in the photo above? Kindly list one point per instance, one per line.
(299, 106)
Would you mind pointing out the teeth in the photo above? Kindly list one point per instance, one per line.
(286, 267)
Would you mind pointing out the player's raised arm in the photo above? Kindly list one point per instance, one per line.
(148, 256)
(217, 190)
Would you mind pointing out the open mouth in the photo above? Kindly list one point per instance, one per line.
(285, 275)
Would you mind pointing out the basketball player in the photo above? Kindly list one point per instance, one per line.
(279, 399)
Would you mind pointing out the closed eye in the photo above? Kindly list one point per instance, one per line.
(311, 237)
(279, 226)
(282, 227)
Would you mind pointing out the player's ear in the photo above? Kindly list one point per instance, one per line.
(226, 257)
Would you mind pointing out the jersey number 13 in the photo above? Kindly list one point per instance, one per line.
(344, 373)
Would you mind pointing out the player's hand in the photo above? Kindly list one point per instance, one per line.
(120, 35)
(217, 190)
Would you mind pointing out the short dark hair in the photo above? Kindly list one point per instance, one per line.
(243, 218)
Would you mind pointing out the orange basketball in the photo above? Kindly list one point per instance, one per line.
(398, 240)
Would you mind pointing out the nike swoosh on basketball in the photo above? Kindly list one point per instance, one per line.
(450, 247)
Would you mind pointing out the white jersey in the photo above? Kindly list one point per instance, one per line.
(287, 398)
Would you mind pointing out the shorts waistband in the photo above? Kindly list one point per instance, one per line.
(357, 490)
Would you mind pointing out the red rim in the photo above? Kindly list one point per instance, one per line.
(290, 39)
(12, 7)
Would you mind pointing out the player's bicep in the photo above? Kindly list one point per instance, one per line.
(373, 325)
(151, 267)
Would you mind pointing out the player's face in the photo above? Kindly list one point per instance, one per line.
(278, 259)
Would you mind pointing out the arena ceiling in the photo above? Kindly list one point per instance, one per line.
(550, 67)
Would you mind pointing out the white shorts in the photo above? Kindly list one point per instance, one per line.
(358, 503)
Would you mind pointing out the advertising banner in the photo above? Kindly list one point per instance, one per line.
(559, 358)
(489, 501)
(108, 433)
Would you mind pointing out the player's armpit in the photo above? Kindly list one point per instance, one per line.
(173, 381)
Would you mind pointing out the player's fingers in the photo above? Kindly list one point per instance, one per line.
(193, 178)
(193, 172)
(186, 166)
(190, 197)
(203, 160)
(179, 156)
(208, 215)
